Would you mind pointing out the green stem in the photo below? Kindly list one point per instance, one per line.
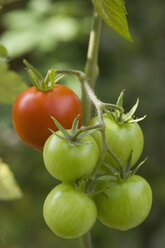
(100, 106)
(85, 241)
(91, 67)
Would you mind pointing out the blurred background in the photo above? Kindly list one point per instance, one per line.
(55, 33)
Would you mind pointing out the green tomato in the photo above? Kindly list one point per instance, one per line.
(121, 138)
(126, 204)
(69, 213)
(70, 162)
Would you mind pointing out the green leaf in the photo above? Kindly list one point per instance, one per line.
(110, 168)
(86, 133)
(3, 51)
(38, 76)
(137, 120)
(138, 166)
(59, 136)
(60, 127)
(130, 114)
(120, 99)
(114, 14)
(51, 74)
(128, 164)
(75, 124)
(58, 77)
(11, 85)
(82, 185)
(9, 189)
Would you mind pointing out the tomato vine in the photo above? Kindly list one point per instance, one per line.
(62, 152)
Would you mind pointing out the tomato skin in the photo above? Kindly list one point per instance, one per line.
(32, 110)
(68, 212)
(121, 138)
(127, 203)
(70, 162)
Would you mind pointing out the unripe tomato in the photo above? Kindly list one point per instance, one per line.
(68, 162)
(126, 204)
(33, 108)
(68, 212)
(121, 138)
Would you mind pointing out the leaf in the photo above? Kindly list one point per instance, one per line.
(51, 74)
(120, 99)
(114, 14)
(137, 120)
(138, 166)
(11, 85)
(129, 115)
(86, 133)
(128, 164)
(56, 134)
(9, 189)
(60, 127)
(75, 124)
(36, 73)
(110, 168)
(3, 51)
(58, 77)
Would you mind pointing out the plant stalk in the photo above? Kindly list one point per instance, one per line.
(91, 67)
(85, 241)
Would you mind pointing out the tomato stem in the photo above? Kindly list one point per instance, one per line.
(100, 106)
(85, 241)
(91, 67)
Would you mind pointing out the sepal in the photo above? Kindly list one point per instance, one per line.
(130, 114)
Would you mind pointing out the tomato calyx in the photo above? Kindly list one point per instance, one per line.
(121, 117)
(75, 135)
(41, 83)
(116, 175)
(123, 173)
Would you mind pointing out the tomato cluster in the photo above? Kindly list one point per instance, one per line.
(115, 195)
(120, 203)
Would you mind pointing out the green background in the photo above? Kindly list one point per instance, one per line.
(55, 33)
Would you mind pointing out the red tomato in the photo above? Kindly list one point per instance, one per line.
(33, 108)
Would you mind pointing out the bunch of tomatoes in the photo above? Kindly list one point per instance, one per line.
(49, 121)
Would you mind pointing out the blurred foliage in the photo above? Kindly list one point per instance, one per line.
(9, 189)
(11, 85)
(138, 67)
(3, 51)
(41, 25)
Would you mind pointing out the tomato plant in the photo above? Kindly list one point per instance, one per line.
(126, 204)
(69, 161)
(121, 138)
(33, 108)
(68, 212)
(72, 154)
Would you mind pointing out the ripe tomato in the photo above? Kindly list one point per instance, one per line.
(33, 108)
(68, 212)
(121, 138)
(127, 203)
(68, 162)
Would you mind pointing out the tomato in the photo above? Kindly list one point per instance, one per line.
(68, 162)
(68, 212)
(33, 108)
(126, 204)
(121, 138)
